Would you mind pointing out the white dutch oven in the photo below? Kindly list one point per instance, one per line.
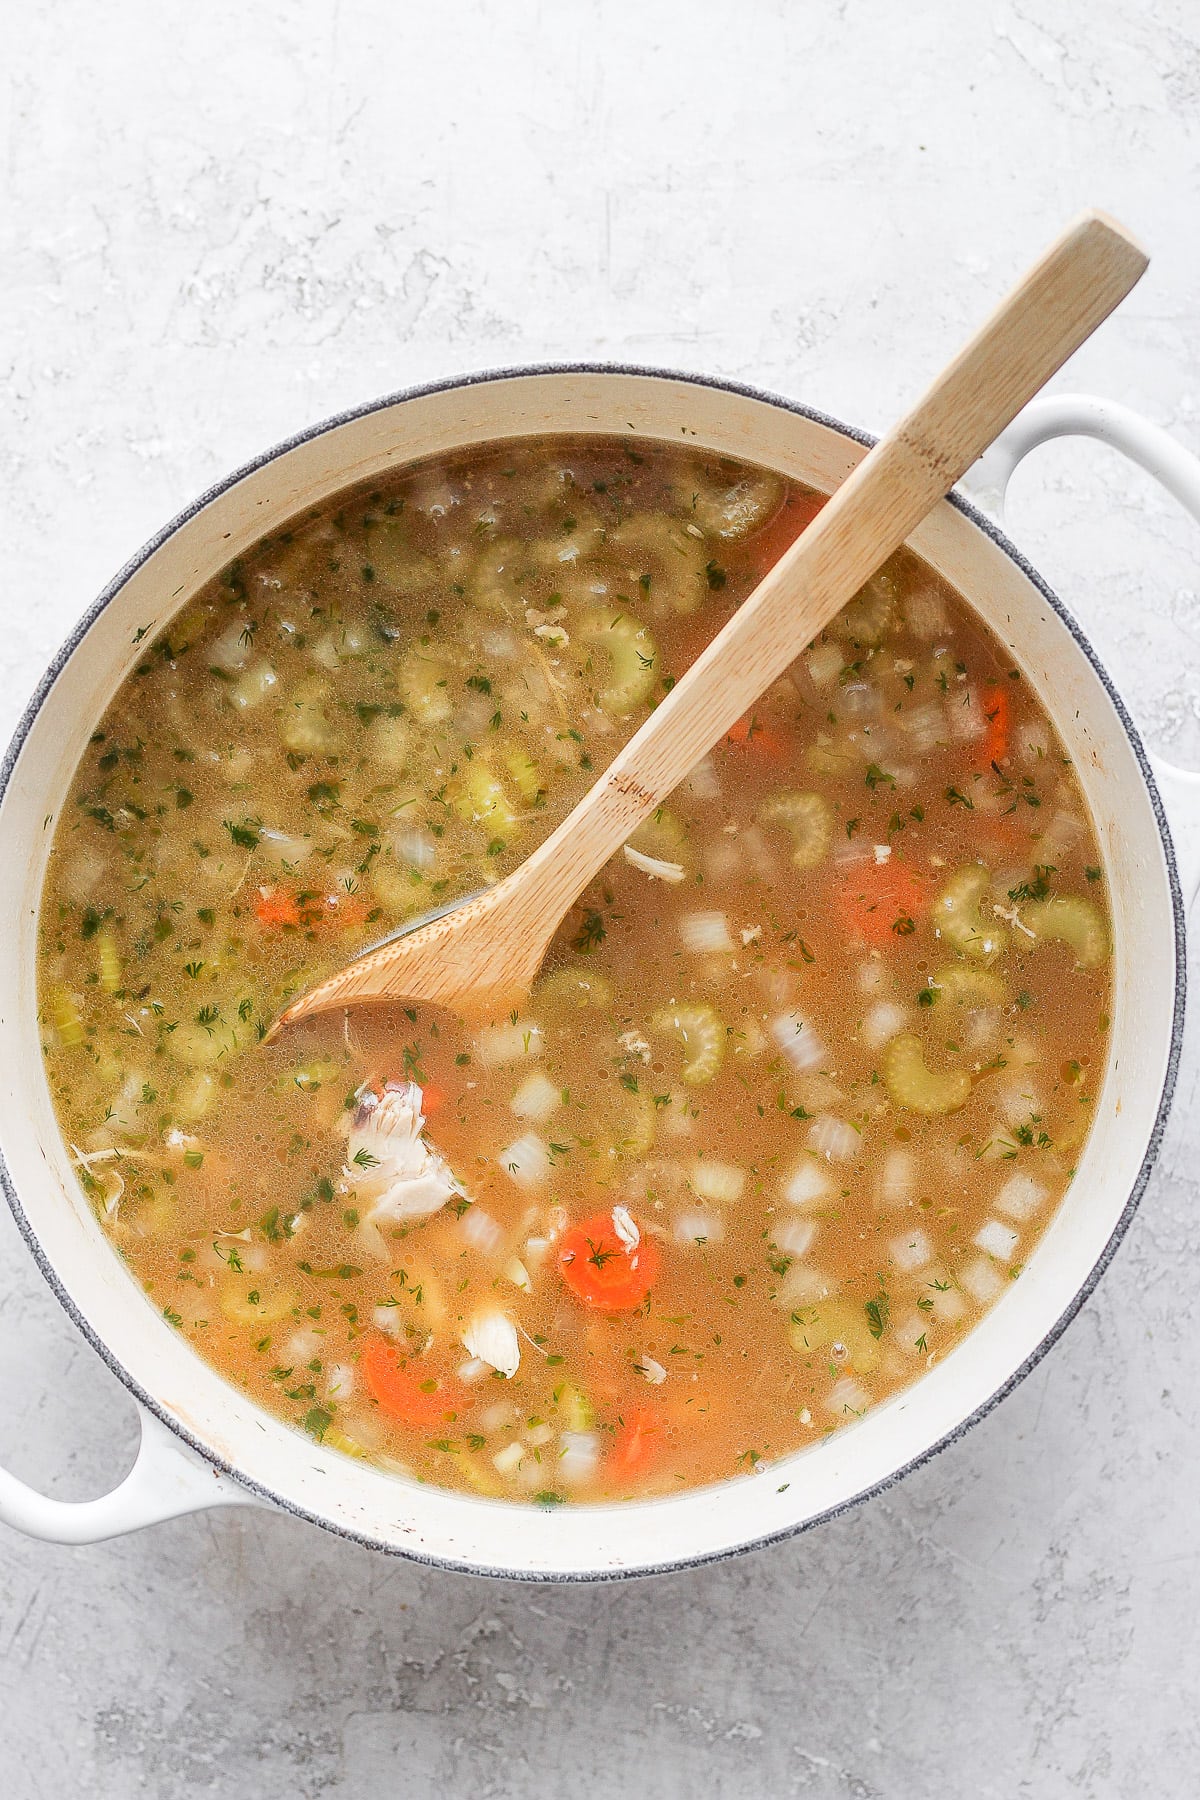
(206, 1444)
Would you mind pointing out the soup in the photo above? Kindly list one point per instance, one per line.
(805, 1075)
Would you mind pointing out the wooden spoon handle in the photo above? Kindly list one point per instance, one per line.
(1055, 308)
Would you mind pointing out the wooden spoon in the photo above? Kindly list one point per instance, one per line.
(481, 954)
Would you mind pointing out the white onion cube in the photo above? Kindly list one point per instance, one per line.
(833, 1138)
(910, 1251)
(998, 1240)
(881, 1024)
(578, 1457)
(798, 1041)
(897, 1177)
(982, 1280)
(500, 1046)
(719, 1181)
(536, 1098)
(1020, 1197)
(847, 1397)
(807, 1186)
(705, 933)
(526, 1160)
(694, 1230)
(825, 663)
(795, 1237)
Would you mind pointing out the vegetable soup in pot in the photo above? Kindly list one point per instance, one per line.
(804, 1078)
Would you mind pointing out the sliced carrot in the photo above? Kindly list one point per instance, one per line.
(432, 1096)
(638, 1443)
(600, 1271)
(882, 901)
(275, 906)
(403, 1390)
(753, 733)
(997, 710)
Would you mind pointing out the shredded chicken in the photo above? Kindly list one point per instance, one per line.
(492, 1338)
(395, 1173)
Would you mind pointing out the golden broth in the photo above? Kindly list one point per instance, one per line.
(806, 1075)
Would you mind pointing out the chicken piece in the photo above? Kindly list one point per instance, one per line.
(395, 1174)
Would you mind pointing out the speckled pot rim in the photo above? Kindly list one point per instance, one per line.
(1003, 543)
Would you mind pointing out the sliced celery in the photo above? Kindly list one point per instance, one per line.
(632, 656)
(701, 1030)
(959, 918)
(808, 820)
(1070, 919)
(918, 1088)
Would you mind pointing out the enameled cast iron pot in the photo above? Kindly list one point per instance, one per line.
(204, 1443)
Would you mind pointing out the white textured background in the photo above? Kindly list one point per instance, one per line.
(222, 222)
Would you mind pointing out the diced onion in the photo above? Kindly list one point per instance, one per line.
(948, 1305)
(1020, 1197)
(696, 1229)
(387, 1319)
(909, 1334)
(825, 663)
(508, 1460)
(232, 649)
(997, 1239)
(473, 1370)
(805, 1286)
(339, 1381)
(910, 1251)
(807, 1186)
(283, 847)
(578, 1457)
(859, 699)
(1033, 741)
(881, 1023)
(965, 715)
(536, 1098)
(481, 1231)
(416, 848)
(526, 1160)
(833, 1138)
(925, 613)
(847, 1396)
(518, 1274)
(501, 1045)
(795, 1237)
(925, 728)
(702, 783)
(718, 1181)
(982, 1280)
(798, 1041)
(705, 933)
(871, 976)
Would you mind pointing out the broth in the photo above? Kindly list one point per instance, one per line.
(806, 1073)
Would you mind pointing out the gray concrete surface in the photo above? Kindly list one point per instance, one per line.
(223, 222)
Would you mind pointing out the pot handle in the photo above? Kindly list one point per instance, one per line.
(1176, 469)
(166, 1481)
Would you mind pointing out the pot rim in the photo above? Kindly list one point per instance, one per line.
(999, 538)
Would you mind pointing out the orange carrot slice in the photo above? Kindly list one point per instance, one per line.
(601, 1271)
(402, 1389)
